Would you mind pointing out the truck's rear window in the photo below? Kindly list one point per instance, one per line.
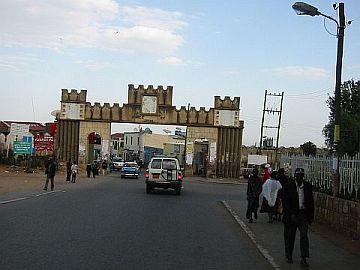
(156, 164)
(169, 164)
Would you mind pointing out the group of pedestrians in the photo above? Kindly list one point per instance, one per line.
(92, 169)
(72, 170)
(288, 200)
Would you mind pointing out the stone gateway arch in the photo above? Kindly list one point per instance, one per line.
(217, 132)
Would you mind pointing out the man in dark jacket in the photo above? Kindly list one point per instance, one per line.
(252, 194)
(68, 170)
(50, 169)
(298, 207)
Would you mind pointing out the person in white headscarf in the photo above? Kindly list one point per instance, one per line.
(269, 192)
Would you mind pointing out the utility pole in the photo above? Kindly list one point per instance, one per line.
(302, 8)
(267, 111)
(340, 52)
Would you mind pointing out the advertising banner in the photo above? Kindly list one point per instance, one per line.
(43, 143)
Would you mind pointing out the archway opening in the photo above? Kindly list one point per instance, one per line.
(201, 157)
(141, 142)
(94, 143)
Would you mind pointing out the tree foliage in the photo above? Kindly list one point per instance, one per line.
(350, 119)
(308, 148)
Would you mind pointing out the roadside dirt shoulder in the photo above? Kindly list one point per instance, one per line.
(15, 179)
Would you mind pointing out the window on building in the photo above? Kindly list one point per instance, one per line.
(131, 140)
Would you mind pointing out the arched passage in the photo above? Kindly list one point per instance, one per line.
(94, 146)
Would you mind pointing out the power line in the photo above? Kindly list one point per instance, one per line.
(309, 93)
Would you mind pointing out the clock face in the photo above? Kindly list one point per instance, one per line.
(149, 104)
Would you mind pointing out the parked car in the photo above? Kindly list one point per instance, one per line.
(117, 164)
(130, 169)
(164, 172)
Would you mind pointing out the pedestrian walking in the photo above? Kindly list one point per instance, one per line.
(68, 170)
(252, 194)
(94, 169)
(88, 169)
(50, 169)
(281, 176)
(104, 166)
(298, 204)
(74, 172)
(267, 171)
(270, 191)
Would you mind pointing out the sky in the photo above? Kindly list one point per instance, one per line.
(201, 48)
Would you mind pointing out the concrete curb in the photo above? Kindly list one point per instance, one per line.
(252, 237)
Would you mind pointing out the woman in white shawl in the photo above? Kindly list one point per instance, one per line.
(270, 191)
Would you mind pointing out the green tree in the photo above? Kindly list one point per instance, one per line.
(350, 119)
(308, 148)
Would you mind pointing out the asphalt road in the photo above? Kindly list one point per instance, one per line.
(111, 223)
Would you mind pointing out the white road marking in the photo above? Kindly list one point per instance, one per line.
(14, 200)
(252, 237)
(32, 196)
(45, 193)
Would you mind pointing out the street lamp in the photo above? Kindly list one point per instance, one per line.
(302, 8)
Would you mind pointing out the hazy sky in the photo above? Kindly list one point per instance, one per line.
(202, 48)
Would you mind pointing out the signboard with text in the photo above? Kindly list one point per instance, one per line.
(43, 143)
(21, 147)
(19, 129)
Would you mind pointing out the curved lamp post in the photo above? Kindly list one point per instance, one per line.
(302, 8)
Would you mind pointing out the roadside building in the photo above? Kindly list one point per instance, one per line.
(176, 149)
(117, 145)
(143, 144)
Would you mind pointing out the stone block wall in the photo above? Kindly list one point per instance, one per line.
(339, 214)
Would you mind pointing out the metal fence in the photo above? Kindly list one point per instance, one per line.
(319, 170)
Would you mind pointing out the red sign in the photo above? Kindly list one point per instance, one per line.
(43, 143)
(52, 128)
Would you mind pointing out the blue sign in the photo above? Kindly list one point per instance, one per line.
(21, 147)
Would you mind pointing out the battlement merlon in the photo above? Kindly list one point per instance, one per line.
(150, 88)
(227, 103)
(164, 96)
(73, 96)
